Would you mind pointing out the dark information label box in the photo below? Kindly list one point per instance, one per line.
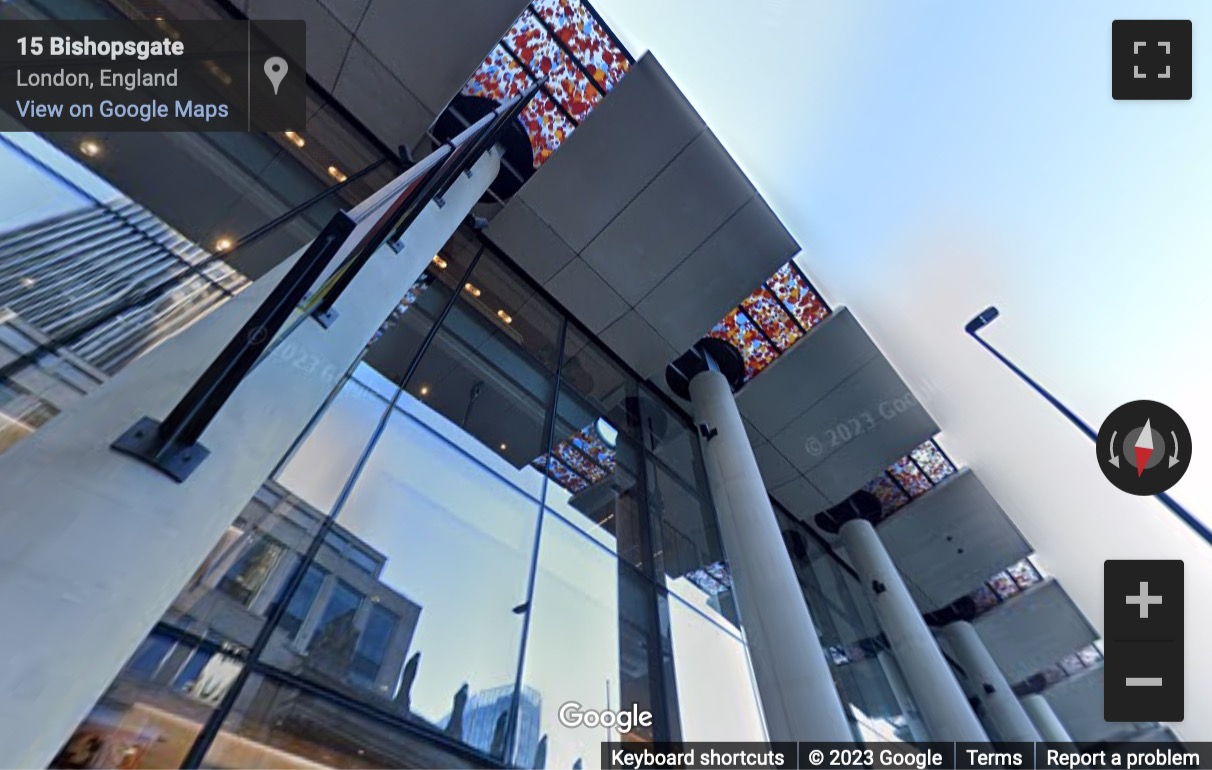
(122, 75)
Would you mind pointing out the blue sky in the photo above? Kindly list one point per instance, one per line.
(933, 158)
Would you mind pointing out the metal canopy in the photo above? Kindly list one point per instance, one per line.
(1032, 630)
(642, 225)
(834, 412)
(951, 539)
(394, 65)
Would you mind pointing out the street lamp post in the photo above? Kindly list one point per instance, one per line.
(983, 320)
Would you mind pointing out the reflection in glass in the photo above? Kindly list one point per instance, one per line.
(151, 714)
(689, 547)
(232, 592)
(591, 641)
(451, 539)
(596, 473)
(275, 726)
(716, 694)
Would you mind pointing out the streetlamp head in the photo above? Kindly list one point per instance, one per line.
(982, 320)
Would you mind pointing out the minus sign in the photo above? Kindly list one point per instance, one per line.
(1143, 681)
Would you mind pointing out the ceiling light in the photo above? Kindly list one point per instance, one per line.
(471, 289)
(217, 72)
(295, 139)
(223, 244)
(336, 174)
(424, 390)
(441, 263)
(167, 28)
(504, 447)
(90, 148)
(506, 317)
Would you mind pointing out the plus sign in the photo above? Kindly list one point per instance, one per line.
(1144, 600)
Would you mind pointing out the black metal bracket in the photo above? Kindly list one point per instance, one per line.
(175, 458)
(171, 446)
(326, 319)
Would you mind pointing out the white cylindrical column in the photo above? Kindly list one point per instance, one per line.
(900, 691)
(799, 698)
(939, 697)
(95, 545)
(1045, 719)
(1009, 718)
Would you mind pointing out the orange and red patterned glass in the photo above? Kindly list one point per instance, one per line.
(546, 126)
(561, 475)
(1004, 585)
(579, 30)
(1024, 573)
(593, 447)
(579, 463)
(890, 495)
(932, 460)
(499, 77)
(909, 477)
(798, 297)
(762, 307)
(544, 58)
(743, 333)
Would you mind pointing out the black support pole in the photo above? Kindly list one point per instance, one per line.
(172, 446)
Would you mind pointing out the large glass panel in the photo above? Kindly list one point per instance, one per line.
(595, 468)
(716, 696)
(21, 413)
(486, 382)
(323, 463)
(277, 727)
(599, 384)
(153, 711)
(690, 558)
(667, 435)
(239, 583)
(592, 641)
(435, 624)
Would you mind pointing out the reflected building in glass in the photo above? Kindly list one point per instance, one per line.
(508, 492)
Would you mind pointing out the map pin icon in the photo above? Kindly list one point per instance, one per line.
(275, 70)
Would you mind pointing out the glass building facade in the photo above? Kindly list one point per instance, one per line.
(491, 515)
(490, 518)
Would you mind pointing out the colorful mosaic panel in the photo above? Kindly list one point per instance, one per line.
(933, 461)
(890, 495)
(592, 445)
(774, 320)
(546, 126)
(1024, 573)
(743, 333)
(499, 77)
(561, 475)
(1003, 585)
(984, 598)
(799, 298)
(579, 30)
(544, 58)
(909, 477)
(579, 463)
